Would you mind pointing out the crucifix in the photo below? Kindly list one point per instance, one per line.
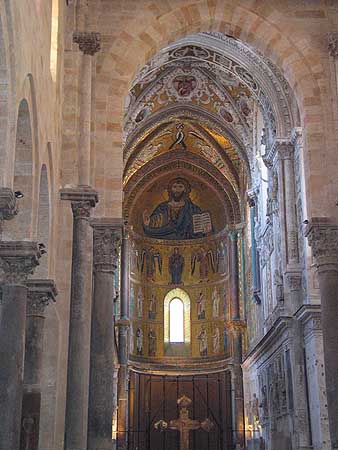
(184, 424)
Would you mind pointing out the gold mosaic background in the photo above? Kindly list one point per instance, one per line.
(148, 282)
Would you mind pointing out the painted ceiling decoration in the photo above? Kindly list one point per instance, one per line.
(189, 136)
(195, 104)
(190, 84)
(233, 68)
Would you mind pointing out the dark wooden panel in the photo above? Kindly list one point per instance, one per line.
(154, 398)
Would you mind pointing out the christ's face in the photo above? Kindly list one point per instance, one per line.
(178, 191)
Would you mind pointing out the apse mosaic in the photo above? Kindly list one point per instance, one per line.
(195, 273)
(177, 208)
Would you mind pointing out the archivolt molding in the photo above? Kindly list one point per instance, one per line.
(260, 75)
(188, 112)
(218, 93)
(192, 165)
(203, 143)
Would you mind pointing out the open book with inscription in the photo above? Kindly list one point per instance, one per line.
(202, 223)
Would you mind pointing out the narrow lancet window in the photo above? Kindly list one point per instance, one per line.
(176, 320)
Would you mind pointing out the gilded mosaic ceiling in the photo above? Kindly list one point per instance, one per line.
(192, 100)
(189, 136)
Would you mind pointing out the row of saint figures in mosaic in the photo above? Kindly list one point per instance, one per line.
(178, 265)
(207, 303)
(208, 340)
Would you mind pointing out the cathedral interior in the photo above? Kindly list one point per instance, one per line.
(168, 224)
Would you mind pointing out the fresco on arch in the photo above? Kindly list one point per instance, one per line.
(178, 217)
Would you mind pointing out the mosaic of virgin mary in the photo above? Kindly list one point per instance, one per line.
(174, 219)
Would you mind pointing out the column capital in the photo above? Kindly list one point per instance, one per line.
(294, 280)
(310, 317)
(280, 149)
(252, 195)
(8, 204)
(284, 149)
(322, 234)
(333, 43)
(82, 198)
(89, 43)
(233, 234)
(40, 294)
(18, 260)
(107, 236)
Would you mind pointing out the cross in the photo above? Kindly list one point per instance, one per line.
(184, 424)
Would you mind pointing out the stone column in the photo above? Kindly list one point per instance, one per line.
(286, 179)
(252, 200)
(40, 294)
(322, 234)
(123, 325)
(237, 380)
(89, 44)
(235, 309)
(8, 206)
(82, 199)
(17, 261)
(100, 413)
(237, 375)
(310, 318)
(301, 439)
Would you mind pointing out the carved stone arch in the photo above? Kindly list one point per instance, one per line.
(190, 164)
(22, 227)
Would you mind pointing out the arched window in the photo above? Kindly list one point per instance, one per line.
(176, 320)
(177, 323)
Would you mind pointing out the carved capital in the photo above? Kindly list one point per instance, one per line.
(107, 239)
(322, 234)
(18, 260)
(294, 280)
(89, 43)
(284, 149)
(106, 244)
(82, 198)
(81, 210)
(252, 196)
(281, 149)
(310, 317)
(237, 325)
(333, 44)
(233, 234)
(40, 294)
(8, 204)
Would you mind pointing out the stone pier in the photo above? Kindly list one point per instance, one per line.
(322, 234)
(82, 199)
(17, 262)
(100, 413)
(40, 294)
